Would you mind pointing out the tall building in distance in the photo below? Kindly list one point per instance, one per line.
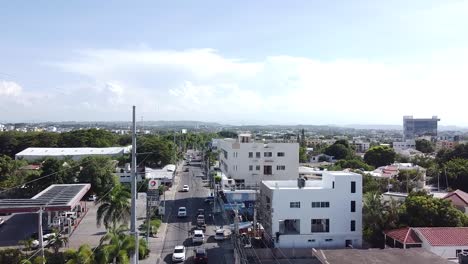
(419, 127)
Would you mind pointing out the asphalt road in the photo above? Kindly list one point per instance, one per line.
(178, 229)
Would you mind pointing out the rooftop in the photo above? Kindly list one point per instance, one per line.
(460, 194)
(381, 256)
(56, 197)
(445, 236)
(309, 184)
(404, 235)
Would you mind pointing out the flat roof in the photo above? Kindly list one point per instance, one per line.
(56, 197)
(382, 256)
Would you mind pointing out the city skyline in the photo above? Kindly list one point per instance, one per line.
(338, 63)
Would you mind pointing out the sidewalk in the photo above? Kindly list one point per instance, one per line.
(221, 219)
(156, 244)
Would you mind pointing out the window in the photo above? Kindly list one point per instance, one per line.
(290, 226)
(280, 154)
(280, 167)
(267, 170)
(225, 153)
(353, 225)
(250, 154)
(333, 185)
(320, 225)
(235, 154)
(267, 154)
(257, 167)
(320, 204)
(257, 155)
(250, 167)
(353, 187)
(295, 205)
(353, 206)
(328, 239)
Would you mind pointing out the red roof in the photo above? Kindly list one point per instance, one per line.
(444, 236)
(404, 235)
(461, 194)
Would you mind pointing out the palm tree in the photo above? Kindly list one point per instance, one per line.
(57, 240)
(27, 243)
(114, 208)
(84, 255)
(119, 245)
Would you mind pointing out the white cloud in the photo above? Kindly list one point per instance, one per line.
(8, 88)
(204, 85)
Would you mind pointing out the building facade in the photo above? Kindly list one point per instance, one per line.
(360, 146)
(323, 213)
(418, 127)
(248, 163)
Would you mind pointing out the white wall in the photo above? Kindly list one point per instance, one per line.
(238, 161)
(445, 252)
(339, 213)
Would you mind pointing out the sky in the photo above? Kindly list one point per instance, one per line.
(234, 62)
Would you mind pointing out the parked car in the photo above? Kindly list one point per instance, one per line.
(198, 236)
(1, 221)
(92, 198)
(182, 212)
(45, 240)
(179, 254)
(185, 188)
(201, 257)
(220, 235)
(209, 199)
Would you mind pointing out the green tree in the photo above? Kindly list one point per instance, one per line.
(99, 171)
(227, 134)
(97, 138)
(27, 244)
(84, 255)
(303, 155)
(61, 172)
(372, 184)
(354, 163)
(57, 240)
(457, 173)
(116, 246)
(379, 156)
(114, 208)
(422, 210)
(339, 150)
(160, 152)
(425, 146)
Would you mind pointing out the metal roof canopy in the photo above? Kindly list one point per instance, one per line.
(56, 197)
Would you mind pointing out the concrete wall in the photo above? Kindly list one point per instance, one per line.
(238, 162)
(339, 213)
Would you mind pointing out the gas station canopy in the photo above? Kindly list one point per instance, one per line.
(57, 197)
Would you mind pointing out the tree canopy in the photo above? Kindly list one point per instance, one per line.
(340, 150)
(425, 146)
(379, 156)
(99, 171)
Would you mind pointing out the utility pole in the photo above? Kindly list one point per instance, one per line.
(257, 199)
(41, 239)
(133, 229)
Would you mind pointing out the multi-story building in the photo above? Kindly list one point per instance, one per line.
(323, 213)
(248, 162)
(404, 145)
(360, 146)
(418, 127)
(445, 144)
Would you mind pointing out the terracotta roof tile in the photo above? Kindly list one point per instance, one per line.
(404, 235)
(444, 236)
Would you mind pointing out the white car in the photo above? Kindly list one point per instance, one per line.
(45, 240)
(179, 254)
(185, 188)
(182, 212)
(198, 236)
(219, 235)
(1, 221)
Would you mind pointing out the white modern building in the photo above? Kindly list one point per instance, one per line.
(323, 213)
(248, 163)
(404, 145)
(33, 154)
(360, 146)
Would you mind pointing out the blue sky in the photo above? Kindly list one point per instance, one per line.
(243, 62)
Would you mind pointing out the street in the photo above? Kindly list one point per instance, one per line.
(178, 229)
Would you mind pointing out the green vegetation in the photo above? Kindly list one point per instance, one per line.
(340, 150)
(379, 156)
(114, 208)
(425, 146)
(99, 171)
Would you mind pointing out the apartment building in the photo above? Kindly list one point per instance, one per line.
(417, 127)
(324, 213)
(360, 146)
(248, 163)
